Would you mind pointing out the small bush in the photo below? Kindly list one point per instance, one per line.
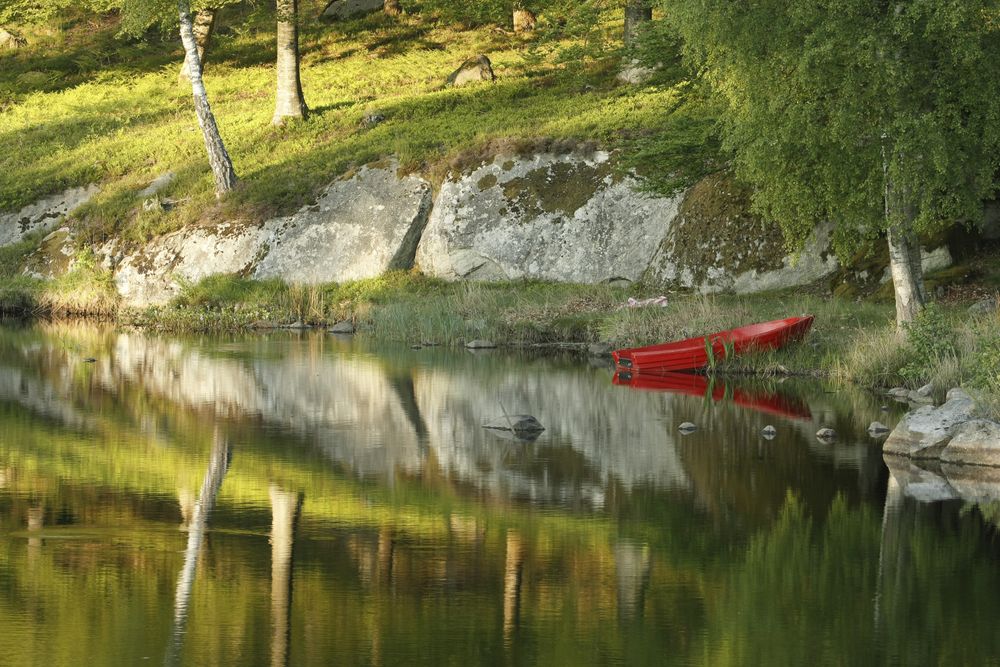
(986, 365)
(930, 341)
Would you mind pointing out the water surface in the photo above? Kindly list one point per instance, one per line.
(302, 499)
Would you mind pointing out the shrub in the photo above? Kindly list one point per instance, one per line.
(930, 340)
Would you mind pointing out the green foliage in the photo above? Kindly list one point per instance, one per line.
(825, 100)
(986, 365)
(929, 340)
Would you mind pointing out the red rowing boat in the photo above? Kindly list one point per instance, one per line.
(694, 353)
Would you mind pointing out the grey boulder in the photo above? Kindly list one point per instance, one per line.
(924, 432)
(472, 70)
(976, 442)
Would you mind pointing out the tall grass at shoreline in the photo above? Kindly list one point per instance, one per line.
(850, 341)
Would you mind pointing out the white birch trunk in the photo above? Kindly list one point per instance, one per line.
(218, 157)
(290, 102)
(204, 26)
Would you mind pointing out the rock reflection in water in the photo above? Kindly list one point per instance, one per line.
(377, 418)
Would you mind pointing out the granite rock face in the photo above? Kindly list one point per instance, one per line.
(360, 227)
(716, 244)
(44, 215)
(154, 274)
(566, 218)
(975, 442)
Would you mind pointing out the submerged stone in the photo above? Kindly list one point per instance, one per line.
(516, 424)
(342, 327)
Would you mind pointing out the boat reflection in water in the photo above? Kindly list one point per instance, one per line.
(714, 388)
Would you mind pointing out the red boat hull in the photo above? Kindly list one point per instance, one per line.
(692, 353)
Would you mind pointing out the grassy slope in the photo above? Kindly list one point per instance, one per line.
(82, 106)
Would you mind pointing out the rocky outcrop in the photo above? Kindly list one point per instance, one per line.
(975, 442)
(55, 255)
(949, 433)
(44, 215)
(549, 217)
(557, 216)
(716, 244)
(360, 227)
(576, 218)
(474, 69)
(155, 274)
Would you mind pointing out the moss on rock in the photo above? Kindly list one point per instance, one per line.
(715, 229)
(559, 188)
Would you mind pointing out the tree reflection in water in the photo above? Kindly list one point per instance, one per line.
(218, 464)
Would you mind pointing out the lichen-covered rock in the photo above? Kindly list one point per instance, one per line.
(716, 244)
(54, 256)
(976, 442)
(566, 218)
(474, 69)
(154, 274)
(44, 215)
(924, 432)
(360, 227)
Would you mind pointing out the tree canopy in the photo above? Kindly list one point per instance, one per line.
(827, 103)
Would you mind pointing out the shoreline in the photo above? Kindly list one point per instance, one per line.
(851, 341)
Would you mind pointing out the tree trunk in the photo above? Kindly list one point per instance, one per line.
(290, 102)
(204, 25)
(218, 157)
(904, 255)
(637, 12)
(392, 7)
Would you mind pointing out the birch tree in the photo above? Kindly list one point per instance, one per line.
(218, 156)
(204, 26)
(880, 117)
(290, 102)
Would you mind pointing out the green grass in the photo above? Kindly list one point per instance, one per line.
(81, 106)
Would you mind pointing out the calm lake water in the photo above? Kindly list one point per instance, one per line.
(305, 500)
